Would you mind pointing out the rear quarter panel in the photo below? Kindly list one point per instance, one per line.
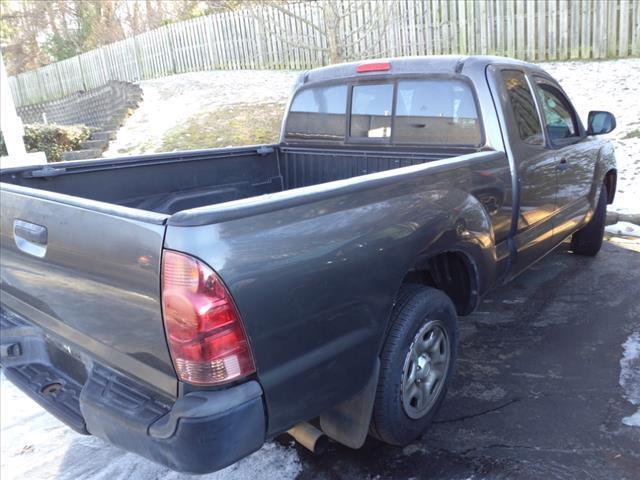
(315, 281)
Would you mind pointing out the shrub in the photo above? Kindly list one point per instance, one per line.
(51, 139)
(3, 147)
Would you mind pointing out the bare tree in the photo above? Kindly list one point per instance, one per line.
(330, 31)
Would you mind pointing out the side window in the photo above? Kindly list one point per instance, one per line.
(523, 107)
(558, 114)
(318, 113)
(436, 112)
(371, 111)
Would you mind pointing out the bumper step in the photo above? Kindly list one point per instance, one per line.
(54, 391)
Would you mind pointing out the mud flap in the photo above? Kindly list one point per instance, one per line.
(348, 423)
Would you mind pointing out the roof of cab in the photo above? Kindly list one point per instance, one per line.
(450, 64)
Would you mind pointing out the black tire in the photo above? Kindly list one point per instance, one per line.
(588, 240)
(417, 308)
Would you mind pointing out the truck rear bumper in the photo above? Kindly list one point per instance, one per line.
(201, 432)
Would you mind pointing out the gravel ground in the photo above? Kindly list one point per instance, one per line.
(547, 382)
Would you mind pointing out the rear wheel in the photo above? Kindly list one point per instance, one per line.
(416, 365)
(588, 240)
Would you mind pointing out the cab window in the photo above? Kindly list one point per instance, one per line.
(436, 112)
(523, 107)
(560, 118)
(371, 111)
(318, 113)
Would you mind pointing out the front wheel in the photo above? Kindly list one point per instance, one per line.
(588, 240)
(417, 362)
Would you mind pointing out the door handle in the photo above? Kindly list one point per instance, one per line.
(563, 165)
(31, 238)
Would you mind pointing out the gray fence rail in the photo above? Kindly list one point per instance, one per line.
(266, 37)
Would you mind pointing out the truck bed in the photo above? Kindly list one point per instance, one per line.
(171, 182)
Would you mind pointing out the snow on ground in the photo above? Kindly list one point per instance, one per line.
(610, 85)
(172, 101)
(630, 376)
(35, 445)
(624, 229)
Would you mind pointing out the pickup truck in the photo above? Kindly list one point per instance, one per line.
(188, 306)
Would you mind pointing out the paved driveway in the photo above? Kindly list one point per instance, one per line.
(537, 394)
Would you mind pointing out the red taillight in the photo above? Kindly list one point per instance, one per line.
(204, 330)
(374, 67)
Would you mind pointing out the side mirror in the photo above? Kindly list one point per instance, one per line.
(600, 123)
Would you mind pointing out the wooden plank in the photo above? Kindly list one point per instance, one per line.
(472, 31)
(463, 46)
(216, 23)
(453, 29)
(510, 28)
(531, 30)
(563, 29)
(491, 27)
(482, 16)
(623, 39)
(437, 31)
(600, 29)
(227, 41)
(521, 13)
(585, 29)
(445, 30)
(635, 28)
(552, 29)
(612, 28)
(500, 48)
(574, 25)
(541, 14)
(411, 27)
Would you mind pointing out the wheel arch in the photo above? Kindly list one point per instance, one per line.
(455, 272)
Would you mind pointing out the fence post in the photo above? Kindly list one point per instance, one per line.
(84, 84)
(260, 41)
(136, 57)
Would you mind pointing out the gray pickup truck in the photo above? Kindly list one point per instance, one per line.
(188, 306)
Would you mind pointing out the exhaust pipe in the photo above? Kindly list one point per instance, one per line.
(310, 437)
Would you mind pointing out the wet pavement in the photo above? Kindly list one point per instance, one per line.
(536, 393)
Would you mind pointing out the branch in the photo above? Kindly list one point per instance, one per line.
(373, 26)
(288, 12)
(358, 6)
(266, 25)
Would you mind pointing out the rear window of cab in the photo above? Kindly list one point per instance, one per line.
(405, 112)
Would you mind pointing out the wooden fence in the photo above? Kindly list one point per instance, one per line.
(266, 37)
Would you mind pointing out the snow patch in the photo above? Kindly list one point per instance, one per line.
(624, 229)
(34, 444)
(630, 376)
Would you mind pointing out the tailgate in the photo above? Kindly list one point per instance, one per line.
(87, 273)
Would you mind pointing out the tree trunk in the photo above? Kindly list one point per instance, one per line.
(332, 29)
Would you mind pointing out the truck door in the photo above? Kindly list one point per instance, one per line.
(535, 165)
(575, 157)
